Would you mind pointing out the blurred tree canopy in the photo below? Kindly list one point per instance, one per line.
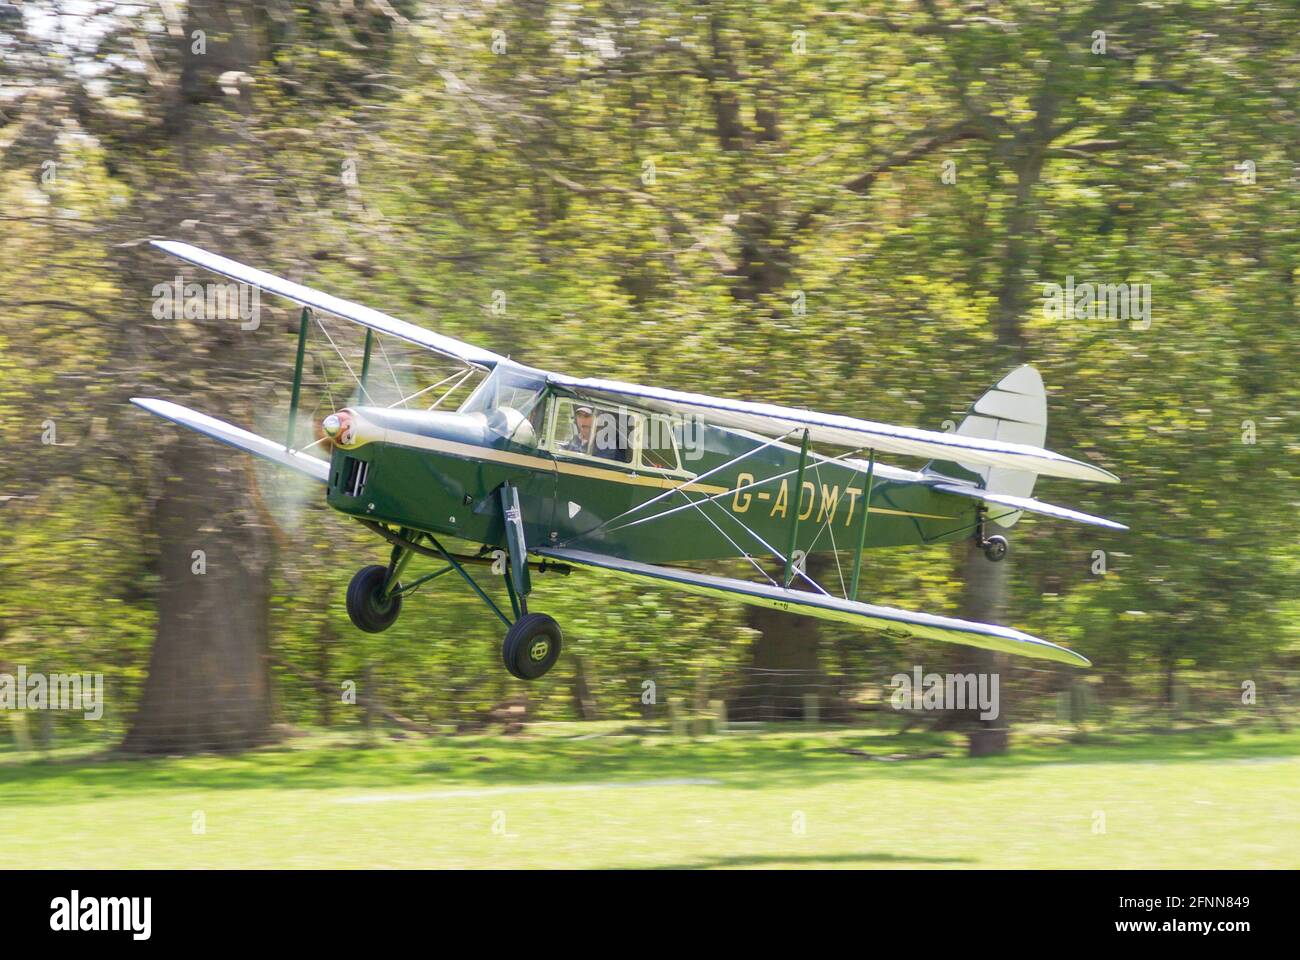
(854, 207)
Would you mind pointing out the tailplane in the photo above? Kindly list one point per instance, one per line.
(1014, 411)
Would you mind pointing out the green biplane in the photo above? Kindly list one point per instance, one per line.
(546, 472)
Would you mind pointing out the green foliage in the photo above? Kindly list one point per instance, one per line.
(650, 190)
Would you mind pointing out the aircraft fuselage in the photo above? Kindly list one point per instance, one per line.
(439, 472)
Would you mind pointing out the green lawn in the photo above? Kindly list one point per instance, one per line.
(558, 797)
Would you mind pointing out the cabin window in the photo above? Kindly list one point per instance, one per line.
(659, 444)
(583, 429)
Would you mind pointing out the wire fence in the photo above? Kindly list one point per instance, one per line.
(736, 701)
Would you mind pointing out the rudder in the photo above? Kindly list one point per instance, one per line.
(1014, 410)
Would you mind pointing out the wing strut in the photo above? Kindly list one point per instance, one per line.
(297, 378)
(365, 364)
(862, 530)
(680, 489)
(794, 514)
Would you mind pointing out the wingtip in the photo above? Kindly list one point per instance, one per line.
(1108, 524)
(1071, 658)
(176, 248)
(1090, 471)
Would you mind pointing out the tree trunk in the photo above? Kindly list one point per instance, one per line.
(209, 680)
(984, 583)
(784, 666)
(984, 589)
(584, 704)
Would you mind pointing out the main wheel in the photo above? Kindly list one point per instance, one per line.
(365, 607)
(531, 646)
(995, 548)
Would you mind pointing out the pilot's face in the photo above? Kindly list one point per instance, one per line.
(584, 418)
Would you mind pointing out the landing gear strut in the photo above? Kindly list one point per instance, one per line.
(994, 547)
(532, 641)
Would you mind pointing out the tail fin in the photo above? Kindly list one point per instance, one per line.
(1014, 410)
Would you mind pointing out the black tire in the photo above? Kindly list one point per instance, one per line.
(366, 610)
(995, 548)
(531, 646)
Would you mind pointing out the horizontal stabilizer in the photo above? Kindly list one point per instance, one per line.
(379, 322)
(304, 463)
(889, 620)
(1028, 504)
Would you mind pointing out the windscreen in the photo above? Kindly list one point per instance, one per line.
(512, 387)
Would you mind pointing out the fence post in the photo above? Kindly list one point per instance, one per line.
(22, 737)
(677, 722)
(810, 708)
(718, 709)
(1080, 701)
(45, 730)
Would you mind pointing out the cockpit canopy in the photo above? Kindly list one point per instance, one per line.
(510, 400)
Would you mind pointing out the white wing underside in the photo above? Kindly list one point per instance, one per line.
(379, 322)
(890, 620)
(237, 437)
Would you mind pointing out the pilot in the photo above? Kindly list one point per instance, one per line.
(583, 419)
(608, 445)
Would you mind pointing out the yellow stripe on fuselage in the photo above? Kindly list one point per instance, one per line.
(905, 513)
(473, 451)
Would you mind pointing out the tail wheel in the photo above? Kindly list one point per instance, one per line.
(531, 646)
(367, 609)
(995, 548)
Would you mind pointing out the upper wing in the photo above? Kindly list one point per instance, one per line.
(346, 309)
(313, 467)
(888, 619)
(772, 420)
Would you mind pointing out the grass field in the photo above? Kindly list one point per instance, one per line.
(560, 796)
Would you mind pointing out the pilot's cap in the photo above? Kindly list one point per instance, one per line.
(584, 409)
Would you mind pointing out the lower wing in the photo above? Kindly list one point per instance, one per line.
(304, 463)
(902, 623)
